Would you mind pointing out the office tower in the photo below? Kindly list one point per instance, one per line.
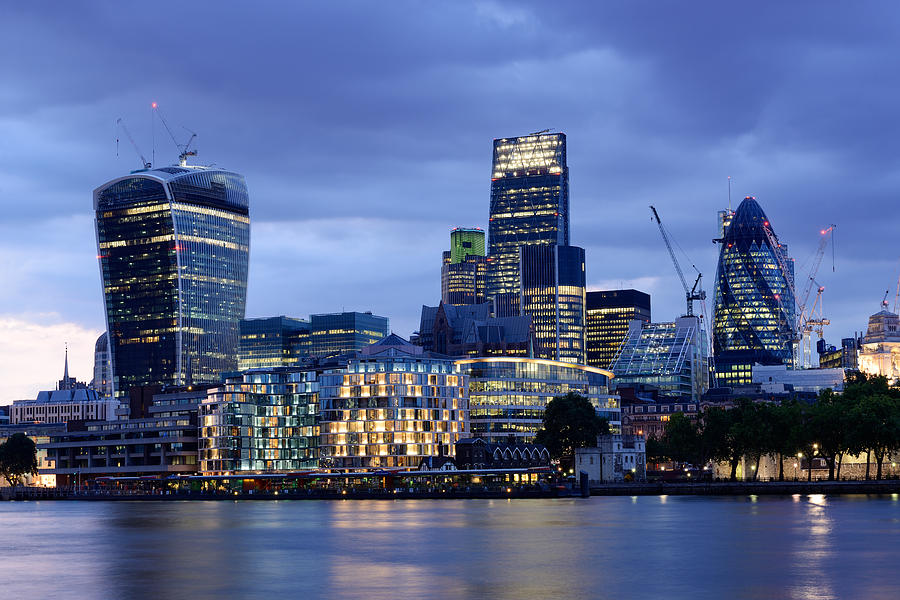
(754, 319)
(553, 295)
(463, 272)
(102, 381)
(508, 395)
(273, 342)
(338, 333)
(173, 244)
(671, 357)
(608, 314)
(529, 203)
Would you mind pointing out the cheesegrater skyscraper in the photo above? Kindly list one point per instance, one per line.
(173, 245)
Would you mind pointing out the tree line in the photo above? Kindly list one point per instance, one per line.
(18, 457)
(863, 420)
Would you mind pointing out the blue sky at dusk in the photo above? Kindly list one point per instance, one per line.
(364, 132)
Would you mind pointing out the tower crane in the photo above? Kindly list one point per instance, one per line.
(184, 149)
(694, 293)
(807, 323)
(146, 163)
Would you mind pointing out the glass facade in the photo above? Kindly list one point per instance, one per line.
(670, 357)
(463, 282)
(264, 420)
(553, 295)
(529, 203)
(339, 333)
(754, 320)
(392, 411)
(608, 315)
(273, 342)
(465, 242)
(507, 395)
(173, 245)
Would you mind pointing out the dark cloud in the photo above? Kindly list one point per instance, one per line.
(366, 129)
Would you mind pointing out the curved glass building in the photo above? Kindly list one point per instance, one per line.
(508, 395)
(173, 245)
(755, 314)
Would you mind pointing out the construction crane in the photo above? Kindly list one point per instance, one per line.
(184, 149)
(814, 321)
(694, 293)
(814, 268)
(144, 162)
(807, 321)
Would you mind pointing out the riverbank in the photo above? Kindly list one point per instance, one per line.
(747, 488)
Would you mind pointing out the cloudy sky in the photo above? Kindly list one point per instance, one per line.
(364, 132)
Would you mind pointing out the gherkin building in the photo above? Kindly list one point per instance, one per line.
(755, 310)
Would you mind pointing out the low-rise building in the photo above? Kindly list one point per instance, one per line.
(470, 330)
(879, 353)
(617, 458)
(391, 406)
(261, 421)
(61, 406)
(476, 453)
(508, 395)
(778, 379)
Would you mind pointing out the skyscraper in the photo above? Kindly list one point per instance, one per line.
(173, 245)
(529, 203)
(754, 318)
(270, 342)
(553, 295)
(608, 314)
(102, 380)
(463, 272)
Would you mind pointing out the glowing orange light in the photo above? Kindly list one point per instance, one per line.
(823, 232)
(766, 223)
(153, 105)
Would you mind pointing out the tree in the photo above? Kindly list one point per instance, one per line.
(784, 417)
(681, 440)
(18, 457)
(570, 422)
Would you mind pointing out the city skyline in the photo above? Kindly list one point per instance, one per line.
(646, 138)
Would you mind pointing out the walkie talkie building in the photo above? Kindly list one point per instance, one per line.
(755, 311)
(173, 246)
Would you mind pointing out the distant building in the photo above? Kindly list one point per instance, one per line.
(616, 459)
(648, 415)
(173, 246)
(469, 330)
(670, 357)
(755, 310)
(553, 295)
(464, 268)
(162, 444)
(393, 405)
(879, 353)
(778, 379)
(71, 400)
(271, 342)
(529, 203)
(261, 421)
(4, 414)
(608, 313)
(338, 333)
(476, 453)
(508, 395)
(102, 380)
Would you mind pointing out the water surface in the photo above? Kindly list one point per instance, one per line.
(620, 547)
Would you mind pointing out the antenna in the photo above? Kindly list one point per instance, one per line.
(729, 193)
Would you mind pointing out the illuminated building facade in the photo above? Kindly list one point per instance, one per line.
(754, 320)
(879, 353)
(271, 342)
(392, 406)
(553, 295)
(173, 245)
(607, 317)
(508, 395)
(339, 333)
(261, 420)
(529, 203)
(464, 268)
(670, 357)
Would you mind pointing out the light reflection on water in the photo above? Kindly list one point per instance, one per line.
(625, 547)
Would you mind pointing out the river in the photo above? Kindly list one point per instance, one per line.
(611, 547)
